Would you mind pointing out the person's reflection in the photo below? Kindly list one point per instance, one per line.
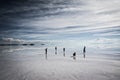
(84, 51)
(46, 53)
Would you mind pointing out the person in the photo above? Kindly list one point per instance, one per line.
(84, 51)
(46, 53)
(74, 55)
(63, 51)
(55, 50)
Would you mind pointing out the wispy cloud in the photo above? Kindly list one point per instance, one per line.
(41, 19)
(104, 43)
(108, 34)
(10, 40)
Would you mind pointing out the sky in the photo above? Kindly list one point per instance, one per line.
(87, 21)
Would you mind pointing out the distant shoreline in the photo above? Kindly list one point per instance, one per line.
(31, 44)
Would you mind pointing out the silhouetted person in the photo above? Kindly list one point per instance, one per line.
(63, 51)
(55, 50)
(84, 51)
(46, 53)
(74, 55)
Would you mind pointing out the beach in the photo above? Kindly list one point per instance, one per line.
(31, 64)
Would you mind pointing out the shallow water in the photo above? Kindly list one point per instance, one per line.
(28, 63)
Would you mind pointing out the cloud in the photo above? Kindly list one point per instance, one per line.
(104, 43)
(108, 34)
(11, 40)
(38, 19)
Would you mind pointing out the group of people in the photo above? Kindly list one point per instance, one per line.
(74, 54)
(63, 51)
(84, 51)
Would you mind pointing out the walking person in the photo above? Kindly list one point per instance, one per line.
(56, 50)
(74, 55)
(64, 52)
(46, 53)
(84, 51)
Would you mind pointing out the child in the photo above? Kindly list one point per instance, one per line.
(74, 55)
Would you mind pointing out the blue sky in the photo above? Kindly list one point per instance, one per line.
(93, 21)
